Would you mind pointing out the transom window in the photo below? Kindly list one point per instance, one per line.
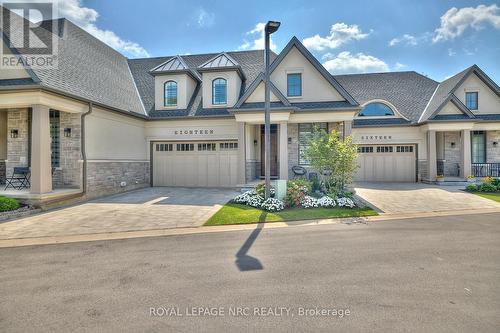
(294, 85)
(478, 146)
(376, 109)
(219, 91)
(306, 131)
(471, 100)
(170, 93)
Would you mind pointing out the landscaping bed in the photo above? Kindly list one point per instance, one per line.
(12, 209)
(488, 188)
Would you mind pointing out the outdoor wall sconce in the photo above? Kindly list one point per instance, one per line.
(255, 142)
(495, 143)
(453, 145)
(67, 132)
(289, 141)
(14, 133)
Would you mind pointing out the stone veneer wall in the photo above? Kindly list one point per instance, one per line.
(252, 170)
(293, 146)
(105, 178)
(452, 155)
(3, 174)
(423, 172)
(69, 174)
(492, 152)
(17, 148)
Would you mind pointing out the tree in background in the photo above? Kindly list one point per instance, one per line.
(334, 158)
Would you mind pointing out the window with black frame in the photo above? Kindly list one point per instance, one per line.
(306, 131)
(55, 146)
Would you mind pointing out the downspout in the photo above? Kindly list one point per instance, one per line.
(84, 152)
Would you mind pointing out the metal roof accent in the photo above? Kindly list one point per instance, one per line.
(254, 85)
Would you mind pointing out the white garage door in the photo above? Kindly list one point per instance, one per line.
(195, 164)
(386, 163)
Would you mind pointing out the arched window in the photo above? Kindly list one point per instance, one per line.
(170, 88)
(376, 109)
(219, 91)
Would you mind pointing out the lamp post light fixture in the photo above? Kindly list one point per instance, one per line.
(271, 27)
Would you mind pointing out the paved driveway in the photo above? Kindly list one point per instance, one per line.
(395, 198)
(146, 209)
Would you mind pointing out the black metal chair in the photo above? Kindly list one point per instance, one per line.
(299, 171)
(19, 179)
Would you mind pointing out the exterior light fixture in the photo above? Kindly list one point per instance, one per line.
(67, 132)
(453, 145)
(271, 26)
(255, 142)
(14, 133)
(495, 143)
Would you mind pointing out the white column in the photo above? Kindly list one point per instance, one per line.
(241, 154)
(431, 155)
(283, 150)
(466, 154)
(41, 175)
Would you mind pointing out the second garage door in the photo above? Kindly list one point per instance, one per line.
(195, 164)
(386, 163)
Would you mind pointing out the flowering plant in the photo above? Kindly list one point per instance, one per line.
(345, 202)
(295, 195)
(273, 205)
(310, 202)
(255, 201)
(244, 197)
(326, 202)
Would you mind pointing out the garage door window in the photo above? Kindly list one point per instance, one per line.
(164, 147)
(365, 150)
(384, 149)
(206, 146)
(228, 145)
(185, 147)
(404, 149)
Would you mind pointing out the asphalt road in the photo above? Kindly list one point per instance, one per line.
(420, 275)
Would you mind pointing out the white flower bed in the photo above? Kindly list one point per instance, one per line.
(345, 202)
(255, 201)
(244, 197)
(326, 202)
(310, 202)
(273, 205)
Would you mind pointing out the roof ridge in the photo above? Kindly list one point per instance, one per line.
(198, 54)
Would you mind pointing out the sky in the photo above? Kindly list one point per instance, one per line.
(437, 38)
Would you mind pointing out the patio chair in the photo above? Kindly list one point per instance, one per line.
(298, 171)
(19, 179)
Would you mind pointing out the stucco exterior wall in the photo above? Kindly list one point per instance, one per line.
(258, 95)
(315, 88)
(488, 101)
(185, 88)
(233, 88)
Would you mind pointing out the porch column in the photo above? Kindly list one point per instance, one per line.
(41, 175)
(466, 154)
(283, 149)
(431, 155)
(347, 128)
(241, 154)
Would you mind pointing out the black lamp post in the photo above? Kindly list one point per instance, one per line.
(271, 26)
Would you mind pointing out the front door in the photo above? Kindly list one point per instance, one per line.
(274, 151)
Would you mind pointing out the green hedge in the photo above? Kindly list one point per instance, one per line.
(8, 204)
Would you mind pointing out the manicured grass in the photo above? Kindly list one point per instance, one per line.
(233, 213)
(491, 196)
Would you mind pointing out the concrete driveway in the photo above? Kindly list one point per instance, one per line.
(397, 198)
(146, 209)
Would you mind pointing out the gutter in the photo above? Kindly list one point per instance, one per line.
(83, 147)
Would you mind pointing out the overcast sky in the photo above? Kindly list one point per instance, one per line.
(436, 38)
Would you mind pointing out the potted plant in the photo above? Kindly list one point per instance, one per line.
(471, 179)
(439, 178)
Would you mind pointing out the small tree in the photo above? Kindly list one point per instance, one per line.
(334, 158)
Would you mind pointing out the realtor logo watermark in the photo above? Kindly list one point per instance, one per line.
(30, 35)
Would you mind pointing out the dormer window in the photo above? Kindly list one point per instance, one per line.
(471, 100)
(170, 90)
(294, 85)
(376, 110)
(219, 91)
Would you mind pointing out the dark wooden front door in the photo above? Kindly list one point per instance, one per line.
(274, 151)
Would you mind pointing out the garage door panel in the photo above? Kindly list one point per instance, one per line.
(205, 165)
(386, 163)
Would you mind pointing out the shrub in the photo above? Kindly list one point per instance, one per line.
(345, 202)
(261, 190)
(294, 195)
(471, 188)
(326, 202)
(301, 182)
(488, 180)
(273, 205)
(487, 187)
(496, 182)
(310, 202)
(8, 204)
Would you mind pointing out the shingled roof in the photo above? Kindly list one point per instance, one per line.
(409, 92)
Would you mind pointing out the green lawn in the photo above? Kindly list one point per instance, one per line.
(491, 196)
(233, 213)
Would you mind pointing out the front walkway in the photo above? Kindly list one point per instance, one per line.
(397, 198)
(146, 209)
